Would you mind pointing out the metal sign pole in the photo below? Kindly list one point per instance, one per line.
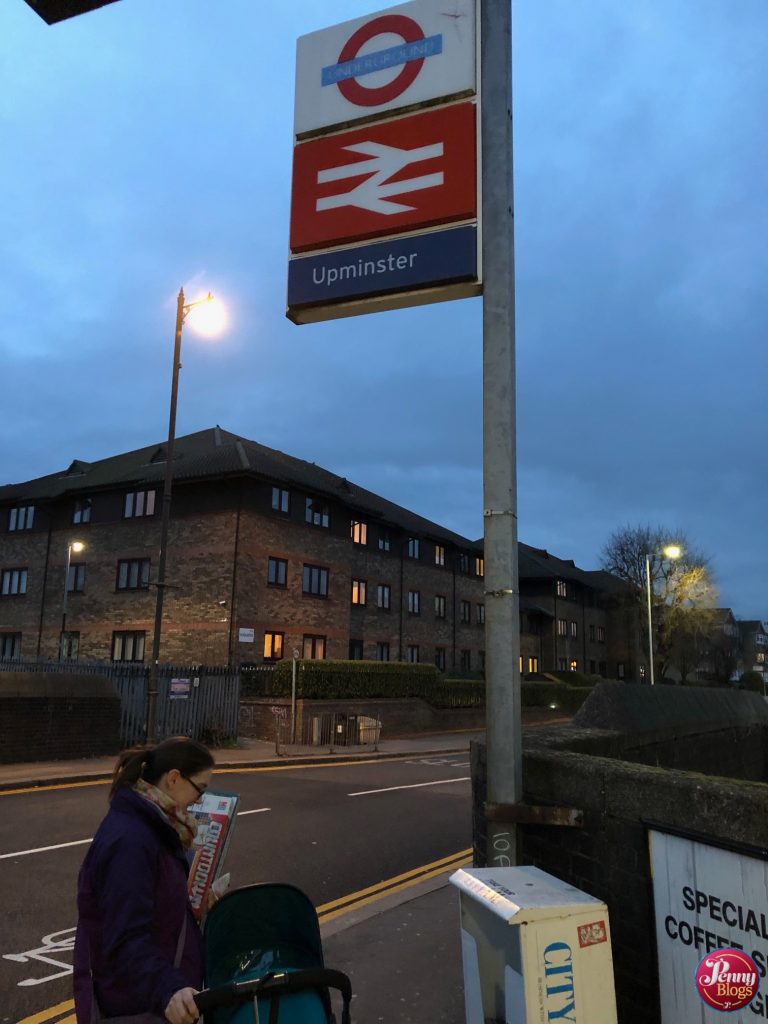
(502, 625)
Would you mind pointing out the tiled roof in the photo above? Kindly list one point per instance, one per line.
(216, 453)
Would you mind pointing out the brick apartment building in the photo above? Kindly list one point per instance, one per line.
(268, 554)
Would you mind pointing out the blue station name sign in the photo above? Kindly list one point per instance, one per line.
(398, 265)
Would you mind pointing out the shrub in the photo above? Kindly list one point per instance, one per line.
(544, 695)
(752, 681)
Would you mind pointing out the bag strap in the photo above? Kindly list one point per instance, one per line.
(182, 938)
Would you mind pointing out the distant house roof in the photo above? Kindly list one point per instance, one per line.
(215, 454)
(538, 563)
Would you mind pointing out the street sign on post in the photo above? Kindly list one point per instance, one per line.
(385, 163)
(417, 53)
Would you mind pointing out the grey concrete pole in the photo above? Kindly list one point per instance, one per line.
(502, 624)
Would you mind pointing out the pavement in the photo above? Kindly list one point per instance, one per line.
(402, 950)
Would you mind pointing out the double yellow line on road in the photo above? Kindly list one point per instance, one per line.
(63, 1013)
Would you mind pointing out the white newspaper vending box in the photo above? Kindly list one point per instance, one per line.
(535, 950)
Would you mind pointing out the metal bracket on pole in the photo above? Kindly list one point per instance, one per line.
(500, 512)
(500, 593)
(525, 814)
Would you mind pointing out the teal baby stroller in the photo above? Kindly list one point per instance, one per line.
(264, 961)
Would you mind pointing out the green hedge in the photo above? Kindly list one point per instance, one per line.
(363, 680)
(544, 695)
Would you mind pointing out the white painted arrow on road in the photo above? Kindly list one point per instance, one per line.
(385, 161)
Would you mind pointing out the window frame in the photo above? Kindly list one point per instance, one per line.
(359, 590)
(358, 532)
(278, 564)
(320, 518)
(21, 574)
(384, 596)
(10, 640)
(465, 612)
(414, 548)
(75, 576)
(414, 602)
(315, 640)
(439, 554)
(440, 606)
(382, 647)
(283, 496)
(24, 512)
(273, 635)
(310, 574)
(412, 654)
(148, 497)
(81, 513)
(122, 636)
(143, 574)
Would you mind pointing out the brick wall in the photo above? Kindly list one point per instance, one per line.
(404, 717)
(44, 716)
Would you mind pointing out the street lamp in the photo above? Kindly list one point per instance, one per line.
(672, 551)
(182, 309)
(77, 546)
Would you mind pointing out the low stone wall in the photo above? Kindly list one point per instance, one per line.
(406, 717)
(49, 717)
(608, 857)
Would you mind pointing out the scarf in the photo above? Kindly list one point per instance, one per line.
(184, 824)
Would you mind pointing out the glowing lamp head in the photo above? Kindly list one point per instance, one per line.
(673, 551)
(77, 546)
(208, 316)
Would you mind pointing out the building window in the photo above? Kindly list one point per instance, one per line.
(479, 566)
(355, 650)
(10, 646)
(358, 532)
(359, 588)
(464, 563)
(132, 574)
(591, 633)
(561, 665)
(562, 589)
(439, 606)
(414, 602)
(383, 596)
(21, 518)
(70, 645)
(277, 572)
(384, 541)
(281, 501)
(315, 581)
(562, 627)
(440, 659)
(128, 645)
(316, 512)
(413, 653)
(466, 661)
(413, 547)
(592, 667)
(76, 578)
(574, 630)
(573, 665)
(382, 650)
(439, 554)
(82, 511)
(13, 582)
(314, 648)
(533, 664)
(481, 615)
(273, 646)
(760, 657)
(466, 611)
(601, 634)
(136, 504)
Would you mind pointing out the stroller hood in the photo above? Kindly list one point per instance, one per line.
(261, 928)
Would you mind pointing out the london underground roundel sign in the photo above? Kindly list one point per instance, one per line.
(418, 52)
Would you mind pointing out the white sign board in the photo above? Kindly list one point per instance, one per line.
(247, 636)
(706, 898)
(415, 53)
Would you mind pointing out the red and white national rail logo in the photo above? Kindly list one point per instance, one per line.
(386, 178)
(727, 979)
(592, 934)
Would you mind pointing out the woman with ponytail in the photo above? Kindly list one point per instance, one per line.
(138, 949)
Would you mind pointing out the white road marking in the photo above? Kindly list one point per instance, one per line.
(56, 942)
(259, 810)
(45, 849)
(415, 785)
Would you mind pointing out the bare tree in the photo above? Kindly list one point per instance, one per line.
(682, 590)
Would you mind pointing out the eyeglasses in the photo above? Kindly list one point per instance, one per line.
(200, 791)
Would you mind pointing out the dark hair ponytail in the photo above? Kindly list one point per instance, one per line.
(150, 763)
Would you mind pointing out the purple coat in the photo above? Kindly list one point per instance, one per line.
(131, 899)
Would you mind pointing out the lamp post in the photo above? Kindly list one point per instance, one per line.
(77, 546)
(671, 551)
(182, 309)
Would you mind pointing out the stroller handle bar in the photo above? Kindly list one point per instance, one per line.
(275, 985)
